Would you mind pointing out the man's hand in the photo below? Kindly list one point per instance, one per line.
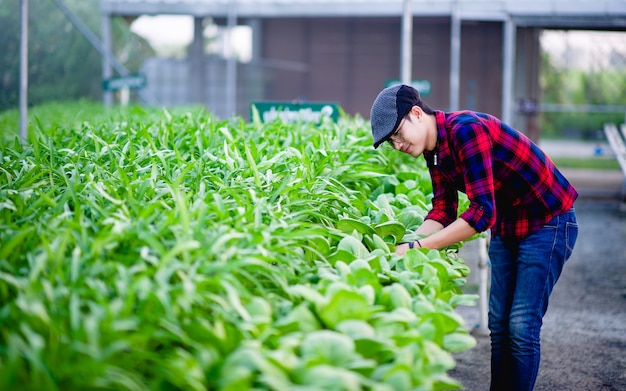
(402, 248)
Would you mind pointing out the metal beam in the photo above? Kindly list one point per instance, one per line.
(407, 43)
(231, 62)
(549, 11)
(508, 70)
(24, 72)
(107, 69)
(196, 63)
(455, 59)
(580, 108)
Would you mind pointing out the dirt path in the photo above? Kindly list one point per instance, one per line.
(584, 331)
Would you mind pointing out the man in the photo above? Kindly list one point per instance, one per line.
(515, 190)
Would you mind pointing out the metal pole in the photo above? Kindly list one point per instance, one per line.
(455, 57)
(231, 62)
(407, 43)
(483, 289)
(508, 70)
(107, 69)
(197, 82)
(24, 73)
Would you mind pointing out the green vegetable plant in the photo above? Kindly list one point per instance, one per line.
(148, 249)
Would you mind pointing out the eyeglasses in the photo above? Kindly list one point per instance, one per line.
(395, 136)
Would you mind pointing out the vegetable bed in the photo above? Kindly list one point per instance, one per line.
(147, 249)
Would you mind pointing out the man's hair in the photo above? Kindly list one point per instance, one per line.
(424, 107)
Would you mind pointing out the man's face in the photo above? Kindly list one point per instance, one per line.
(410, 136)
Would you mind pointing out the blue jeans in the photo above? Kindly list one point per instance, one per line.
(523, 274)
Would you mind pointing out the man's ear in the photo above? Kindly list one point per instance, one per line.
(417, 111)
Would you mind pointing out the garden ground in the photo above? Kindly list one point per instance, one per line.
(584, 332)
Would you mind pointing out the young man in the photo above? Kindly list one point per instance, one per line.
(515, 190)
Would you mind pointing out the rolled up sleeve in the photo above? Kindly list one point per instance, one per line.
(481, 216)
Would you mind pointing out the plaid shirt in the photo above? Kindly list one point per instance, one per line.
(512, 185)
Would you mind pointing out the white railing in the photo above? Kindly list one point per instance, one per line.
(618, 144)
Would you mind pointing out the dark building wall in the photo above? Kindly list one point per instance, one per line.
(431, 58)
(349, 60)
(481, 67)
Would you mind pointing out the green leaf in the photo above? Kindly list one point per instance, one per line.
(444, 382)
(379, 348)
(298, 319)
(463, 299)
(307, 293)
(183, 370)
(349, 225)
(22, 236)
(248, 360)
(356, 329)
(260, 310)
(374, 242)
(437, 359)
(399, 377)
(327, 347)
(329, 378)
(256, 117)
(392, 229)
(398, 296)
(363, 275)
(341, 256)
(344, 305)
(414, 259)
(410, 218)
(379, 264)
(353, 246)
(458, 342)
(445, 322)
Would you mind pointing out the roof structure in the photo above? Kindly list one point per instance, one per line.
(601, 14)
(516, 16)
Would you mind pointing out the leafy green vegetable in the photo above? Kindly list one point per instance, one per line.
(156, 249)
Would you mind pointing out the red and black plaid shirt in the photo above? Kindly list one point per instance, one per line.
(512, 185)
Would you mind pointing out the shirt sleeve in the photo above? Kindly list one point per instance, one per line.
(474, 146)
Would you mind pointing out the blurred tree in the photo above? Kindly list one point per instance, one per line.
(63, 65)
(551, 81)
(580, 87)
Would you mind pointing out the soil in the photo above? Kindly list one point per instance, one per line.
(583, 338)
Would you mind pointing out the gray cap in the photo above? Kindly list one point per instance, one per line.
(389, 107)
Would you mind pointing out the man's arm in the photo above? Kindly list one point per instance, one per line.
(457, 231)
(429, 227)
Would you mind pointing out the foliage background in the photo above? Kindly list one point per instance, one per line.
(63, 65)
(573, 86)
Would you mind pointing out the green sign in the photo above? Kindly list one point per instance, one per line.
(130, 81)
(422, 85)
(290, 112)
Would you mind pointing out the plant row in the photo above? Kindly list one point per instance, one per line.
(155, 250)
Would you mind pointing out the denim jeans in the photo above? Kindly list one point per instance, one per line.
(523, 274)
